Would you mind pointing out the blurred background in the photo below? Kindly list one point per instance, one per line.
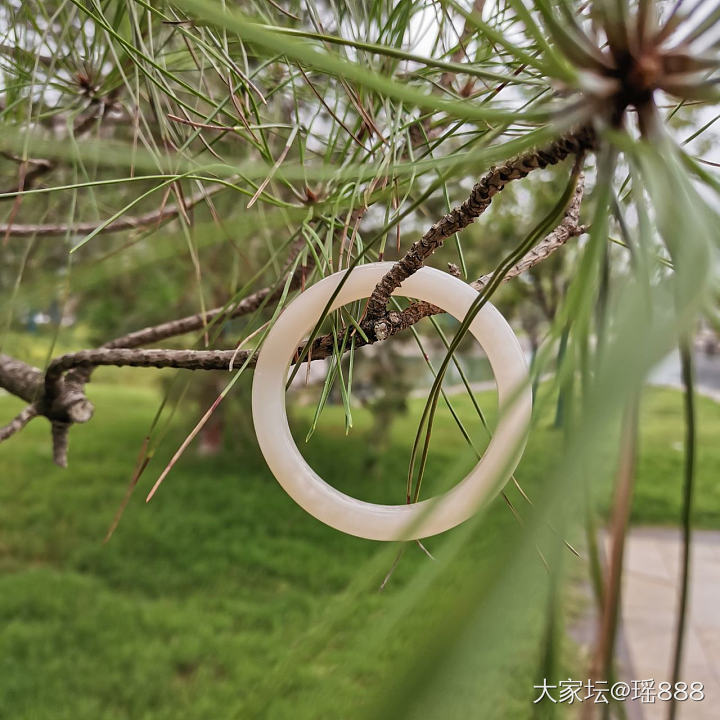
(223, 156)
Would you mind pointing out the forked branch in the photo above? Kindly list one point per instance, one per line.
(493, 182)
(58, 393)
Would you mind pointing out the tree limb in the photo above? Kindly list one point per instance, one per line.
(133, 222)
(18, 422)
(59, 395)
(173, 328)
(395, 322)
(138, 357)
(460, 217)
(20, 379)
(221, 359)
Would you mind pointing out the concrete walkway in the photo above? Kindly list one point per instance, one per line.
(649, 603)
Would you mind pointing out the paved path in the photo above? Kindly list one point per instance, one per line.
(650, 597)
(707, 375)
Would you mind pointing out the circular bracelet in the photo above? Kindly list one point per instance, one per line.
(371, 520)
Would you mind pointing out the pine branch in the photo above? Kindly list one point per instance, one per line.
(191, 323)
(20, 379)
(138, 357)
(133, 222)
(58, 394)
(460, 217)
(18, 422)
(395, 322)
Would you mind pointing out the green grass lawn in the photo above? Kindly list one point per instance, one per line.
(223, 599)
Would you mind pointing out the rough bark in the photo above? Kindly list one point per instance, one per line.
(20, 379)
(479, 200)
(395, 322)
(58, 394)
(18, 422)
(191, 323)
(132, 222)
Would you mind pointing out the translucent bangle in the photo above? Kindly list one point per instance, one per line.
(370, 520)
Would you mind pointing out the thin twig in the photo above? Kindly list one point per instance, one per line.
(18, 422)
(191, 323)
(133, 222)
(138, 357)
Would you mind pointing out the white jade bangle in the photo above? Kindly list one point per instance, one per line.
(390, 522)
